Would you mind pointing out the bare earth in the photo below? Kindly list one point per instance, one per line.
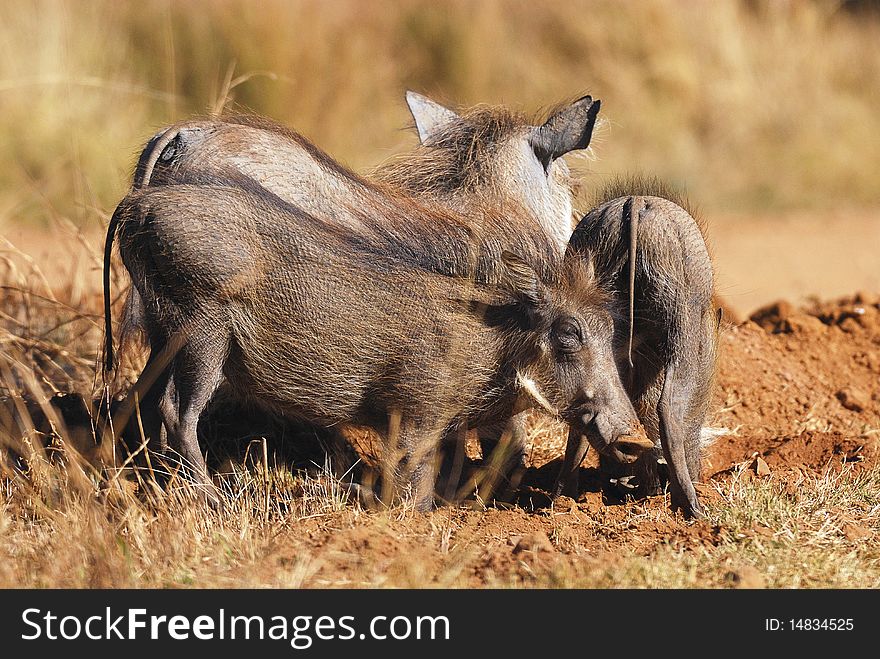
(761, 259)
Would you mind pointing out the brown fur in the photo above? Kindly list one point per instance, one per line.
(335, 327)
(467, 169)
(461, 170)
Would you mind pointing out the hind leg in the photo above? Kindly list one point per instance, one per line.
(196, 373)
(157, 374)
(673, 432)
(137, 419)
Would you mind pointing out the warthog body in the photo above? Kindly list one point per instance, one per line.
(335, 325)
(482, 163)
(485, 158)
(652, 249)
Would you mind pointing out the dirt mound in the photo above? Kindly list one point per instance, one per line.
(801, 387)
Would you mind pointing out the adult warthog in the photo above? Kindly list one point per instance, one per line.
(485, 157)
(651, 254)
(367, 319)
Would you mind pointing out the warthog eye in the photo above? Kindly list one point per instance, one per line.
(567, 336)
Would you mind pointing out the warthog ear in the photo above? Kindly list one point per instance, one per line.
(523, 281)
(583, 265)
(567, 130)
(430, 117)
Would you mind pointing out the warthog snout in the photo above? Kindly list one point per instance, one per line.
(622, 442)
(628, 448)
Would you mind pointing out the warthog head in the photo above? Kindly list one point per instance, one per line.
(572, 373)
(493, 156)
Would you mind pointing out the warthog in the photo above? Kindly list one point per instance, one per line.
(486, 160)
(652, 254)
(371, 321)
(483, 157)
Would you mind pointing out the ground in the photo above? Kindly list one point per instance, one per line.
(792, 486)
(799, 394)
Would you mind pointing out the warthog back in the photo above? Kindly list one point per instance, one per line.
(652, 254)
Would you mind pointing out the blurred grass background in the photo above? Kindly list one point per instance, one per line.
(748, 105)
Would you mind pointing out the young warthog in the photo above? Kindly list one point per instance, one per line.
(651, 252)
(382, 326)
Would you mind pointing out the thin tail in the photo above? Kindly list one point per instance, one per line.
(109, 357)
(151, 154)
(635, 208)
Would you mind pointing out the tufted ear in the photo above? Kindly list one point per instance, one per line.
(523, 282)
(430, 116)
(567, 130)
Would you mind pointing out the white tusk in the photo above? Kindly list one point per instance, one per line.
(528, 385)
(625, 481)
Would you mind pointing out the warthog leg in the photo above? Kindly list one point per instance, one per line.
(673, 427)
(196, 373)
(140, 410)
(504, 454)
(575, 451)
(417, 442)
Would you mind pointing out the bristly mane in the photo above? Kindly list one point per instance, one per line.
(637, 185)
(584, 287)
(456, 159)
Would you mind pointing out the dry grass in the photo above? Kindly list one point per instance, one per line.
(67, 527)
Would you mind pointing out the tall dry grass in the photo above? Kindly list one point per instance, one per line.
(746, 104)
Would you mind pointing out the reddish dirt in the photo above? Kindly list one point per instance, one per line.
(799, 390)
(801, 387)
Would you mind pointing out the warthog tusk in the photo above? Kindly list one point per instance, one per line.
(625, 482)
(528, 385)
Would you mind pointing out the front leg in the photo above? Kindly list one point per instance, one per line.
(575, 451)
(416, 441)
(504, 455)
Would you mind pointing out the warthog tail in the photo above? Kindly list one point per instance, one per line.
(152, 152)
(109, 358)
(143, 172)
(636, 205)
